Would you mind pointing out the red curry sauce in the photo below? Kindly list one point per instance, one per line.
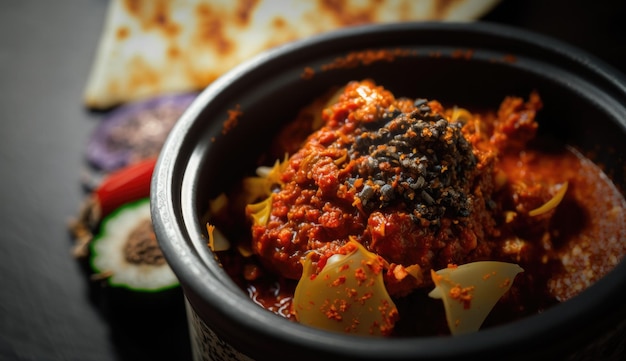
(424, 186)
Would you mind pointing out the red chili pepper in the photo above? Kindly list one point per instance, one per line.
(125, 185)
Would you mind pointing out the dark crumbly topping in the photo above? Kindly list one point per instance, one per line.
(142, 246)
(417, 160)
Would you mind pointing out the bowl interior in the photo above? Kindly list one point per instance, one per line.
(458, 64)
(577, 111)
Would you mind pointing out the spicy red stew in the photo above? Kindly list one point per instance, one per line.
(424, 186)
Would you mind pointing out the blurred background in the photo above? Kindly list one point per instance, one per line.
(49, 308)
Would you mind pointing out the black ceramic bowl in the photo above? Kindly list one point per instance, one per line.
(478, 64)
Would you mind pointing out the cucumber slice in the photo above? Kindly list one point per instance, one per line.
(126, 252)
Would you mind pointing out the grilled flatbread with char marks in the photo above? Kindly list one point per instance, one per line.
(153, 47)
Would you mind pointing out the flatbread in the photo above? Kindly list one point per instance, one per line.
(152, 47)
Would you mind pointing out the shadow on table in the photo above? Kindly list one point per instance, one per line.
(143, 326)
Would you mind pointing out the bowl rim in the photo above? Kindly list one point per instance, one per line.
(173, 234)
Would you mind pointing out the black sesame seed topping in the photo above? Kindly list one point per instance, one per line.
(416, 160)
